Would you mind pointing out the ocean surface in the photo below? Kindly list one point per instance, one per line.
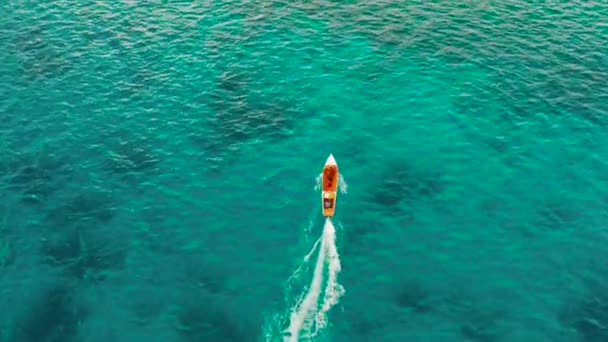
(159, 164)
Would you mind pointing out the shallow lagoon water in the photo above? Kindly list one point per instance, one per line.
(158, 168)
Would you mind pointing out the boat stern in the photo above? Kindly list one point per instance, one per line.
(329, 203)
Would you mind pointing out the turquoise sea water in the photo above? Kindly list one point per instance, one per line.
(158, 166)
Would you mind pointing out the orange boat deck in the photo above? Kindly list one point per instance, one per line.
(330, 186)
(330, 178)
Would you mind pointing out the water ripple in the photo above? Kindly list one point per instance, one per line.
(135, 136)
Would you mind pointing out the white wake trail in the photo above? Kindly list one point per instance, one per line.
(342, 184)
(318, 181)
(308, 310)
(334, 290)
(301, 313)
(307, 317)
(296, 273)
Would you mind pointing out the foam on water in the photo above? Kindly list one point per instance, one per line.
(309, 316)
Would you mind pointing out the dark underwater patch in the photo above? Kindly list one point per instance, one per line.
(476, 331)
(589, 317)
(265, 120)
(131, 156)
(53, 317)
(30, 39)
(7, 252)
(79, 241)
(232, 82)
(34, 176)
(31, 181)
(147, 304)
(587, 313)
(555, 215)
(476, 322)
(207, 280)
(400, 182)
(414, 297)
(269, 119)
(45, 65)
(559, 214)
(86, 207)
(239, 117)
(229, 95)
(480, 326)
(205, 320)
(40, 59)
(85, 254)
